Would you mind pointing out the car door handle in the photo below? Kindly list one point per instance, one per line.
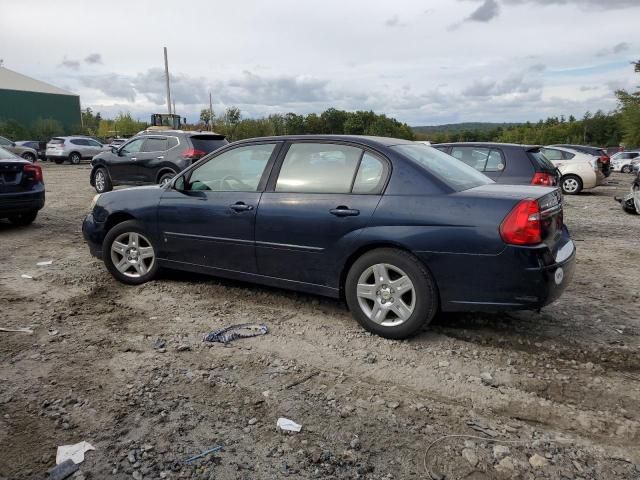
(160, 157)
(343, 211)
(134, 158)
(241, 207)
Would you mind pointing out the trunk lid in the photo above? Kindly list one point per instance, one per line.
(12, 176)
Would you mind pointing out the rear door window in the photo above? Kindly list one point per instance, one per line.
(172, 142)
(155, 145)
(207, 143)
(371, 175)
(318, 168)
(475, 157)
(552, 154)
(79, 141)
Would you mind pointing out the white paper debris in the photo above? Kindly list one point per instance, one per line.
(17, 330)
(74, 452)
(24, 275)
(287, 425)
(45, 263)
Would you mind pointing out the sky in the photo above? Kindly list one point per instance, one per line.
(422, 62)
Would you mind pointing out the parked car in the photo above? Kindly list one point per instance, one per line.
(505, 162)
(400, 230)
(623, 161)
(27, 153)
(39, 147)
(21, 188)
(579, 171)
(598, 152)
(73, 149)
(151, 157)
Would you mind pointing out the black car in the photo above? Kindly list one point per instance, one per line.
(152, 157)
(21, 189)
(506, 163)
(40, 147)
(397, 228)
(601, 153)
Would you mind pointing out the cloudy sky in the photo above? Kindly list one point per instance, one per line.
(426, 63)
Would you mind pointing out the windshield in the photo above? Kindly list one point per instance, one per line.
(454, 173)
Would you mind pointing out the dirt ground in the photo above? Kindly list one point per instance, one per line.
(550, 395)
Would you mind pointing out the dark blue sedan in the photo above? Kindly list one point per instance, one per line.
(21, 189)
(399, 229)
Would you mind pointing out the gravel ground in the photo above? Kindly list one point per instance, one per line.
(548, 395)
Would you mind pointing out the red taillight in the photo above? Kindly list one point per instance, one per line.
(544, 179)
(522, 225)
(193, 154)
(35, 172)
(604, 159)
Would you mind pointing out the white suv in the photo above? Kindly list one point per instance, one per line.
(578, 171)
(73, 149)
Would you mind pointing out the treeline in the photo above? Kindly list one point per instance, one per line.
(331, 121)
(595, 129)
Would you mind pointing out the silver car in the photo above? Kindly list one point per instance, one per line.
(73, 149)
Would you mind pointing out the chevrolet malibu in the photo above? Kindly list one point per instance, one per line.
(398, 229)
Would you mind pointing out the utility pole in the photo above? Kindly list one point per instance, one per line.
(166, 74)
(210, 113)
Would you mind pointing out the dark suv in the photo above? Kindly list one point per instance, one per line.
(506, 163)
(153, 156)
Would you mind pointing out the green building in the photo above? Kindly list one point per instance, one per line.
(26, 100)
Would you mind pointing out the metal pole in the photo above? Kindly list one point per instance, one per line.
(166, 74)
(210, 113)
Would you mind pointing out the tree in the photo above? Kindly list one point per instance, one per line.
(90, 122)
(629, 108)
(230, 120)
(206, 116)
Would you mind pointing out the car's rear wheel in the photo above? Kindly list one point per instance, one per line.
(75, 158)
(626, 169)
(571, 184)
(23, 219)
(129, 254)
(390, 293)
(102, 181)
(166, 178)
(29, 156)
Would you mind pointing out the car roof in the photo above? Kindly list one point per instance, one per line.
(179, 132)
(488, 144)
(360, 139)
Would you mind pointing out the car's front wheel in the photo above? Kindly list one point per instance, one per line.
(390, 293)
(102, 181)
(571, 184)
(75, 158)
(129, 254)
(24, 219)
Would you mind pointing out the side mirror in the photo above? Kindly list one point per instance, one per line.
(114, 149)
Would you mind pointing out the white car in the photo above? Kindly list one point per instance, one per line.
(579, 171)
(624, 161)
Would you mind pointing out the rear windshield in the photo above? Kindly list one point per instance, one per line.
(56, 141)
(454, 173)
(540, 160)
(207, 143)
(7, 155)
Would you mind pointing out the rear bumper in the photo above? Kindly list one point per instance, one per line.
(21, 202)
(518, 278)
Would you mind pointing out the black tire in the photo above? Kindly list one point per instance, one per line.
(75, 158)
(24, 219)
(29, 156)
(626, 169)
(571, 184)
(425, 303)
(102, 180)
(166, 177)
(59, 161)
(128, 227)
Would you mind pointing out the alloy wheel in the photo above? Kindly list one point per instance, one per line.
(100, 181)
(570, 185)
(386, 294)
(132, 254)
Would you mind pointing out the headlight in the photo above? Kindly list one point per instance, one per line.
(93, 202)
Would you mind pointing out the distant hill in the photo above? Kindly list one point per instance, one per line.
(460, 127)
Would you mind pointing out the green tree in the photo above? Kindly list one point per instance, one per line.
(629, 118)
